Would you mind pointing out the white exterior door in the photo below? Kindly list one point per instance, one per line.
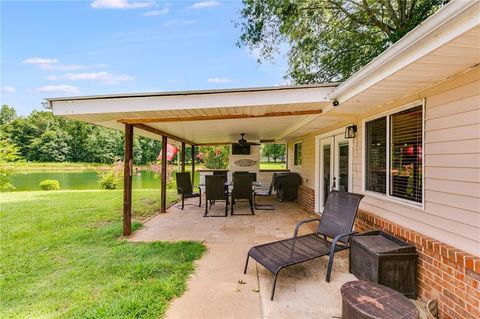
(335, 172)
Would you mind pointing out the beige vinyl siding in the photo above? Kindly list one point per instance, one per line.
(451, 211)
(308, 160)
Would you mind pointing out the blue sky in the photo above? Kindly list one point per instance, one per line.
(66, 48)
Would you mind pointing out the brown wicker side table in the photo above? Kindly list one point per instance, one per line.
(366, 300)
(379, 257)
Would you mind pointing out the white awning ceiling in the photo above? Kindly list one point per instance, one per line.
(446, 44)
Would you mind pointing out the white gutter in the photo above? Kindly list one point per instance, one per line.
(467, 13)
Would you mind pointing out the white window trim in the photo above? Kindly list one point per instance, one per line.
(387, 195)
(299, 165)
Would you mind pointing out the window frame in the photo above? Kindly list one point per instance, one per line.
(387, 195)
(295, 154)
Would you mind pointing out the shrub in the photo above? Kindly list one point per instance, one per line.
(110, 177)
(49, 185)
(215, 157)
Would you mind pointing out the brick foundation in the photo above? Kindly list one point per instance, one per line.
(445, 273)
(306, 198)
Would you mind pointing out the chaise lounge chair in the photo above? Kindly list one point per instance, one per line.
(332, 235)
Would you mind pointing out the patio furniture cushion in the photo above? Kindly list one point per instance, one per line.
(277, 255)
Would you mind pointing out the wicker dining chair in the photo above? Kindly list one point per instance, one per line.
(242, 190)
(185, 189)
(215, 191)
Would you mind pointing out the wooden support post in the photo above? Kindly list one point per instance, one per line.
(163, 186)
(127, 181)
(193, 164)
(182, 157)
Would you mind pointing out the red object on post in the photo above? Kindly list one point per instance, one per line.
(171, 152)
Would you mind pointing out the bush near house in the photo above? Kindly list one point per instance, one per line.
(50, 185)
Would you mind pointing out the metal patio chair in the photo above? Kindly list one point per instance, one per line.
(185, 189)
(264, 192)
(332, 235)
(242, 189)
(214, 191)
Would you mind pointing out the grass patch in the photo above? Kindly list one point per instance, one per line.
(62, 257)
(272, 165)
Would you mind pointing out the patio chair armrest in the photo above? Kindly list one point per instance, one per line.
(179, 189)
(199, 189)
(297, 227)
(337, 238)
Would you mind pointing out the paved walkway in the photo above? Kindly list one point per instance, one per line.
(218, 288)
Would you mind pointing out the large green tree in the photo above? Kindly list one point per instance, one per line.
(7, 114)
(274, 151)
(328, 40)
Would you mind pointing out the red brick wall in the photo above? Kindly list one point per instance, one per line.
(445, 273)
(306, 198)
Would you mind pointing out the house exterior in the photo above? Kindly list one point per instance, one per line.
(415, 154)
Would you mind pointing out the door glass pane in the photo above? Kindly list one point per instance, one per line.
(376, 155)
(406, 154)
(343, 166)
(326, 171)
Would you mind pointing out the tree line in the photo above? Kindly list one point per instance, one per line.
(43, 137)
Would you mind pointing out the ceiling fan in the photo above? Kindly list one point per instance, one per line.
(243, 142)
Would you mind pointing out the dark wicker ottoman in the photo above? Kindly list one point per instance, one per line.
(386, 260)
(366, 300)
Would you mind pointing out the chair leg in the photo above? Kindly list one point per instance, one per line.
(231, 207)
(183, 202)
(274, 284)
(226, 208)
(246, 265)
(206, 211)
(200, 200)
(251, 206)
(329, 266)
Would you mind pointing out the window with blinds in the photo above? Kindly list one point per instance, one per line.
(406, 154)
(404, 168)
(376, 155)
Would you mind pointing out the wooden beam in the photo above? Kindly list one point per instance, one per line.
(193, 164)
(161, 133)
(163, 186)
(215, 117)
(182, 157)
(127, 181)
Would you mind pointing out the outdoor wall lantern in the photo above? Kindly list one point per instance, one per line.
(351, 131)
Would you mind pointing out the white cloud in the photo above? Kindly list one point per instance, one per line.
(173, 22)
(50, 64)
(40, 61)
(205, 4)
(155, 12)
(104, 77)
(219, 80)
(8, 89)
(120, 4)
(63, 88)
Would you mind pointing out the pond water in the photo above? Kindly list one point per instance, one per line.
(85, 179)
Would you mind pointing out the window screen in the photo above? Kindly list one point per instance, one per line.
(376, 155)
(406, 154)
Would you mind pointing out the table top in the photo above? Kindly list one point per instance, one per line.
(254, 184)
(377, 301)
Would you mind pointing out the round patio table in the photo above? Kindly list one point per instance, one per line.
(367, 300)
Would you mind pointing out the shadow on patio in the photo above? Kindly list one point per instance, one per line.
(219, 289)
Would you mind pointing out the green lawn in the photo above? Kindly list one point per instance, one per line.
(272, 165)
(62, 257)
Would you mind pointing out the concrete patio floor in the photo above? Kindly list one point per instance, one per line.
(219, 289)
